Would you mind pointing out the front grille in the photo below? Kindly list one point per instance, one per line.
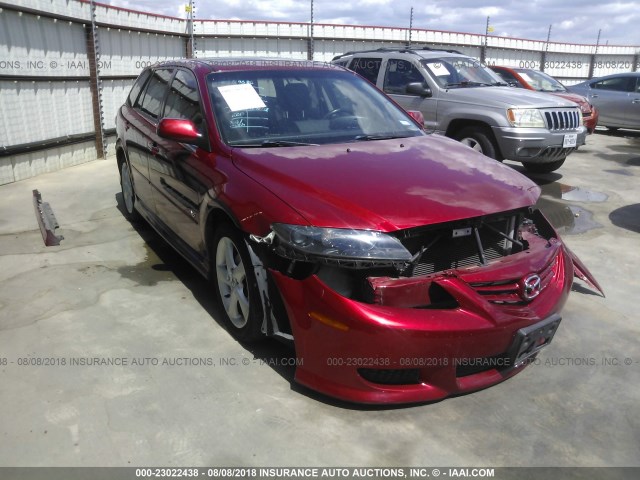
(562, 119)
(479, 243)
(556, 153)
(508, 292)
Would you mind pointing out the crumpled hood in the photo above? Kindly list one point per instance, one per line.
(505, 97)
(387, 185)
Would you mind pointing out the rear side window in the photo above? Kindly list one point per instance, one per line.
(137, 87)
(367, 67)
(183, 100)
(620, 84)
(150, 101)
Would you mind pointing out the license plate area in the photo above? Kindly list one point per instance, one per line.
(532, 339)
(570, 140)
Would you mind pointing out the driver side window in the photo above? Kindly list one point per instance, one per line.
(399, 74)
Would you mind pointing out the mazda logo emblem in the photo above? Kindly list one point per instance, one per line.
(531, 287)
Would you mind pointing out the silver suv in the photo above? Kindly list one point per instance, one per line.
(463, 100)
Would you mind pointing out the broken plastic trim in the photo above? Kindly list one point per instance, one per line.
(46, 221)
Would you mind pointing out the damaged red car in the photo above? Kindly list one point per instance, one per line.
(401, 266)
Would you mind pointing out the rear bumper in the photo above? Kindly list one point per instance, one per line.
(535, 145)
(369, 353)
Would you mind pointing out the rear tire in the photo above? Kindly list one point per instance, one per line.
(544, 167)
(128, 194)
(235, 284)
(479, 139)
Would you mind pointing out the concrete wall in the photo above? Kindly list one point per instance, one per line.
(66, 67)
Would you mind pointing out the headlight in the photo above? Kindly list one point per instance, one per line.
(337, 243)
(525, 117)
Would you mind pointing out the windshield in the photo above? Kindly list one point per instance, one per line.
(452, 72)
(541, 81)
(281, 108)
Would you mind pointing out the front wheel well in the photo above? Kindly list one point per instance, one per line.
(458, 125)
(215, 219)
(120, 157)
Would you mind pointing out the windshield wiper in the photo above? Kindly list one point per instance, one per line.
(272, 143)
(360, 138)
(469, 84)
(283, 143)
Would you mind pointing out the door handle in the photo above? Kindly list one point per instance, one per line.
(593, 95)
(636, 100)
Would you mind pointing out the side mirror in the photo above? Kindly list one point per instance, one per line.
(420, 89)
(180, 130)
(417, 116)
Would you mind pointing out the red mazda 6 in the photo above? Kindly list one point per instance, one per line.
(402, 266)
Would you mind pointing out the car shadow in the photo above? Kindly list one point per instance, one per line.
(620, 133)
(627, 217)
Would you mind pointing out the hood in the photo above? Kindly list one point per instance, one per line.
(505, 97)
(387, 185)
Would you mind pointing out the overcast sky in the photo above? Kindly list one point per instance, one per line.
(574, 21)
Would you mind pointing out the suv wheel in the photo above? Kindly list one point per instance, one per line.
(544, 167)
(128, 193)
(479, 139)
(235, 284)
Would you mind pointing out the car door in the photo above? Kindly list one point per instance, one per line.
(144, 124)
(632, 115)
(177, 183)
(612, 97)
(134, 142)
(398, 74)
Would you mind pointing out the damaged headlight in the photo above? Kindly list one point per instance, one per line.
(338, 243)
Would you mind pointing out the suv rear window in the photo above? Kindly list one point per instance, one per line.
(367, 68)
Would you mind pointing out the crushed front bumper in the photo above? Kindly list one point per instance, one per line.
(386, 352)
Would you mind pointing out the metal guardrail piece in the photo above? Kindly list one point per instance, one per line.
(46, 220)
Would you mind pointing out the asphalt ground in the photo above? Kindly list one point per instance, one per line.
(181, 391)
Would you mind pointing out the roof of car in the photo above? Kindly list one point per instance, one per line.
(422, 51)
(245, 63)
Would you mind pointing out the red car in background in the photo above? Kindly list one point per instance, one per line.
(541, 82)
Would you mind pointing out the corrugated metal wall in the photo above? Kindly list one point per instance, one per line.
(55, 106)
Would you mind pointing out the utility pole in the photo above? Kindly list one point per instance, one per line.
(310, 47)
(483, 48)
(191, 45)
(543, 57)
(593, 57)
(410, 29)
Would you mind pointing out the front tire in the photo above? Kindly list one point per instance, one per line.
(128, 194)
(479, 139)
(235, 285)
(544, 167)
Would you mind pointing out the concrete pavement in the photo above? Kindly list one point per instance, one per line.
(151, 378)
